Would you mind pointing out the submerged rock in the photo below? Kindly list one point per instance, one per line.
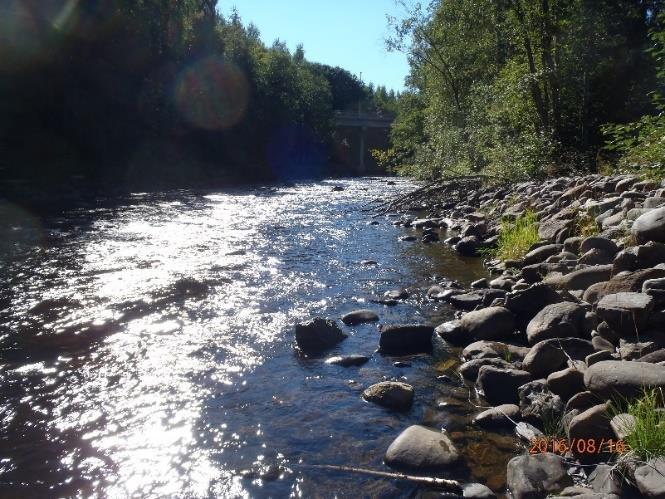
(359, 316)
(348, 360)
(502, 415)
(316, 336)
(390, 394)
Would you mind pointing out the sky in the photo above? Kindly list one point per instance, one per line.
(345, 33)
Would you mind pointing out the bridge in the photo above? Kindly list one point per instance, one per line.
(356, 134)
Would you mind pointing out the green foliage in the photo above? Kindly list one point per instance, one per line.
(517, 237)
(640, 145)
(518, 89)
(138, 91)
(585, 225)
(646, 439)
(553, 426)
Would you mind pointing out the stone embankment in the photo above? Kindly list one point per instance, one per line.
(555, 341)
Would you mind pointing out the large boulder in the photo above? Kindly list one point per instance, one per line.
(318, 335)
(489, 323)
(625, 313)
(499, 385)
(559, 320)
(551, 355)
(527, 303)
(391, 394)
(536, 476)
(359, 316)
(405, 339)
(612, 378)
(421, 449)
(580, 279)
(650, 226)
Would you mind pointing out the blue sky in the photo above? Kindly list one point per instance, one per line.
(346, 33)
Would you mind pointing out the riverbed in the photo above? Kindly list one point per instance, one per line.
(147, 346)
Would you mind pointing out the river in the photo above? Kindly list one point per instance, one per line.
(147, 346)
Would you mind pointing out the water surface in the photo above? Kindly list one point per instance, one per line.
(147, 346)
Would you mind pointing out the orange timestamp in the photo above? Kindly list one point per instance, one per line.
(541, 445)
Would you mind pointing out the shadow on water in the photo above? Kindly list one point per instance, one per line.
(147, 348)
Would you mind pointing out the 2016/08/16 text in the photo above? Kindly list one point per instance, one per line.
(578, 445)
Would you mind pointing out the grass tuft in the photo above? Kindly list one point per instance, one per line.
(647, 440)
(517, 237)
(585, 225)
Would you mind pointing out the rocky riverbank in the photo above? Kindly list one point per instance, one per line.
(556, 342)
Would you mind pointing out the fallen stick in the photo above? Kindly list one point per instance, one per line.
(438, 483)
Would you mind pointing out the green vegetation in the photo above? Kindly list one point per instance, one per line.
(647, 437)
(640, 145)
(517, 237)
(585, 225)
(518, 89)
(146, 93)
(553, 426)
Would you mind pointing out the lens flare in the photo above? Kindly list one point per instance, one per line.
(212, 94)
(27, 28)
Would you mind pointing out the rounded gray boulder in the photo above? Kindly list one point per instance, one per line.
(391, 394)
(489, 323)
(420, 448)
(650, 226)
(559, 320)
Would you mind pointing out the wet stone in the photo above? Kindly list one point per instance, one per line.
(391, 394)
(348, 360)
(420, 448)
(359, 316)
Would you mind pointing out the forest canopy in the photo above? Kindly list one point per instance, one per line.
(153, 92)
(518, 88)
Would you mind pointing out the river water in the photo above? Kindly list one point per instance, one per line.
(147, 346)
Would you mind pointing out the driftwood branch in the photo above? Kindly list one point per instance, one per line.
(451, 188)
(452, 486)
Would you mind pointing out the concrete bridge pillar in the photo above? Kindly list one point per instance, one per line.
(361, 162)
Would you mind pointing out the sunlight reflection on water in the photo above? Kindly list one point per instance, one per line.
(173, 366)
